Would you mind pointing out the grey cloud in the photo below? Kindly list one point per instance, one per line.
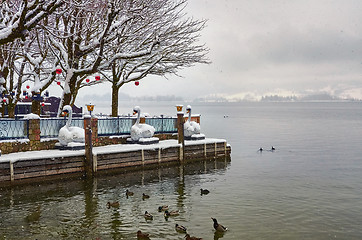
(308, 47)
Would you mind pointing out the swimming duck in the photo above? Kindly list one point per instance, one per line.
(141, 235)
(145, 196)
(204, 191)
(148, 216)
(128, 193)
(272, 148)
(162, 208)
(113, 204)
(34, 215)
(218, 227)
(180, 228)
(172, 213)
(187, 237)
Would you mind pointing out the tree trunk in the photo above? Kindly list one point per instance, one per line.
(35, 107)
(66, 100)
(11, 110)
(115, 89)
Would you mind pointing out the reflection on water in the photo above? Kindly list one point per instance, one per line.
(77, 209)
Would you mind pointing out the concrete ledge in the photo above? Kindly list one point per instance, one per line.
(16, 167)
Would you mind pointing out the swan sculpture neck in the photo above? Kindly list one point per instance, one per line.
(188, 109)
(68, 109)
(138, 111)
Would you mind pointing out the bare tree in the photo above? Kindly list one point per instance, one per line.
(122, 40)
(12, 68)
(178, 48)
(26, 62)
(80, 34)
(41, 67)
(18, 17)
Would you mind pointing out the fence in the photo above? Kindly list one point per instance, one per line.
(49, 127)
(14, 129)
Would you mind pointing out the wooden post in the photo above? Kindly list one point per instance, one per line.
(180, 130)
(88, 164)
(94, 127)
(11, 172)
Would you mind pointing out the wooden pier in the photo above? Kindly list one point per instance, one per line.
(39, 165)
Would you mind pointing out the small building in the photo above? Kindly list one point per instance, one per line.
(49, 108)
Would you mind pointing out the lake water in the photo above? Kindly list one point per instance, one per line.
(310, 187)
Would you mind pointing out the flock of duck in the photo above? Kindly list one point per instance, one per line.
(271, 150)
(168, 213)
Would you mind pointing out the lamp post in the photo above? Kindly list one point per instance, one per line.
(90, 108)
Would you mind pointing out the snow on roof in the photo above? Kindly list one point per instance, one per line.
(31, 116)
(13, 157)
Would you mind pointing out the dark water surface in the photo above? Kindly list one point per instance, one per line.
(310, 187)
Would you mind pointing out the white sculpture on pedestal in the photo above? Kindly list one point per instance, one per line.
(68, 134)
(192, 128)
(141, 132)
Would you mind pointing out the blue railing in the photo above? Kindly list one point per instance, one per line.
(115, 126)
(13, 129)
(163, 125)
(122, 125)
(49, 127)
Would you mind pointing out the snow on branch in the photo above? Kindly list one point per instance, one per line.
(24, 17)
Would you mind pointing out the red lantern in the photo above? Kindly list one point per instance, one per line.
(27, 86)
(58, 71)
(58, 83)
(87, 80)
(4, 100)
(98, 78)
(26, 97)
(136, 83)
(42, 104)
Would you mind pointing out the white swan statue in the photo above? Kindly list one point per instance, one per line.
(141, 132)
(68, 134)
(192, 128)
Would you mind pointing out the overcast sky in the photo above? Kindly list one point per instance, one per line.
(263, 47)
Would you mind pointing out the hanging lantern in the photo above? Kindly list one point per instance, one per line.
(98, 78)
(87, 80)
(58, 71)
(27, 86)
(26, 97)
(42, 104)
(136, 83)
(4, 100)
(58, 83)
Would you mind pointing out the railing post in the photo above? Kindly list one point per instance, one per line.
(88, 163)
(180, 130)
(162, 123)
(34, 132)
(118, 128)
(142, 120)
(94, 127)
